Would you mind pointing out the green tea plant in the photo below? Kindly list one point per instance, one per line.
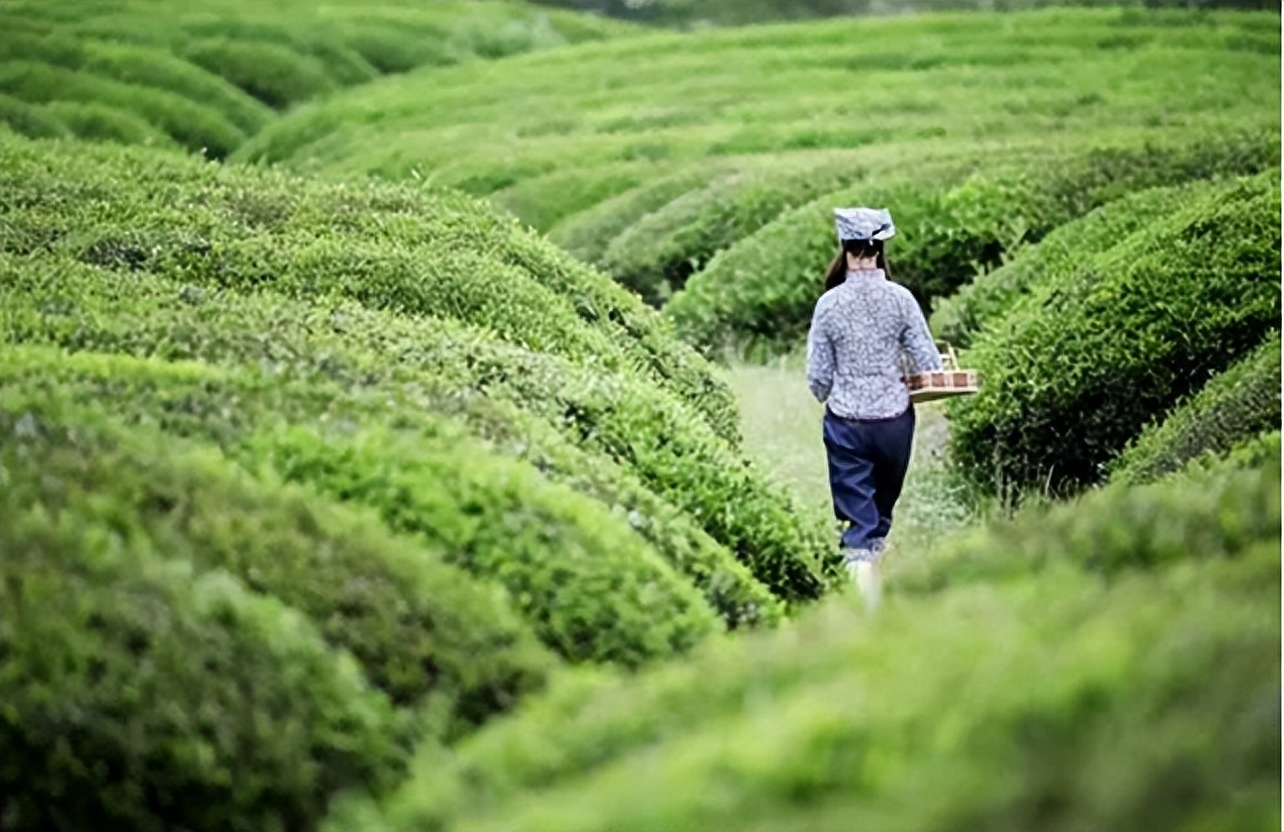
(1233, 407)
(952, 221)
(416, 625)
(1079, 367)
(212, 76)
(516, 400)
(991, 294)
(142, 692)
(973, 697)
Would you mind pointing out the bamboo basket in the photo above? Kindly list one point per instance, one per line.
(944, 383)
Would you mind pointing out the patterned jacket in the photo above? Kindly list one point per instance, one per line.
(862, 332)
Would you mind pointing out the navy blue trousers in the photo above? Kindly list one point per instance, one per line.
(867, 465)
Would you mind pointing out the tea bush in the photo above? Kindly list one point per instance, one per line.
(676, 454)
(442, 488)
(417, 626)
(195, 72)
(656, 254)
(760, 293)
(608, 122)
(991, 294)
(531, 405)
(1207, 513)
(186, 122)
(141, 694)
(1079, 367)
(1234, 406)
(396, 248)
(975, 699)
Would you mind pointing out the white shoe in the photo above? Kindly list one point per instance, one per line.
(870, 581)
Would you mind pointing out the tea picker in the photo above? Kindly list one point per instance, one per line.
(870, 358)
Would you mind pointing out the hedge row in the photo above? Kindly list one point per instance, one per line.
(1234, 406)
(391, 248)
(417, 626)
(656, 254)
(232, 63)
(573, 426)
(970, 708)
(1079, 367)
(991, 294)
(437, 485)
(141, 694)
(761, 291)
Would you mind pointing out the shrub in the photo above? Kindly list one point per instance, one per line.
(152, 67)
(338, 361)
(1081, 366)
(988, 715)
(190, 124)
(762, 290)
(588, 233)
(96, 122)
(438, 254)
(274, 74)
(140, 695)
(655, 255)
(1234, 406)
(417, 626)
(30, 121)
(990, 295)
(591, 589)
(1210, 514)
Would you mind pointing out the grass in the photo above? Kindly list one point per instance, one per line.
(780, 422)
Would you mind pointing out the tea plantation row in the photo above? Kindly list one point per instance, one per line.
(207, 78)
(374, 456)
(1055, 672)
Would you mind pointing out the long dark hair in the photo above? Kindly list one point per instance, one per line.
(857, 248)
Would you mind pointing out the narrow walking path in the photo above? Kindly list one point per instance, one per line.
(780, 422)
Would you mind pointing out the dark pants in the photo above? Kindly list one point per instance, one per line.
(867, 465)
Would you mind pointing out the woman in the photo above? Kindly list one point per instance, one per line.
(862, 328)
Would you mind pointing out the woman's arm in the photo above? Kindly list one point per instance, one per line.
(820, 357)
(917, 339)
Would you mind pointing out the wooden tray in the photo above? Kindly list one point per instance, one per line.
(945, 383)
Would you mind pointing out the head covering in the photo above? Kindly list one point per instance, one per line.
(863, 224)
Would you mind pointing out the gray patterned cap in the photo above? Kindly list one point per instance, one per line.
(864, 224)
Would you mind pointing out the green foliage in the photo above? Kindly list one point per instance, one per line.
(1234, 406)
(1079, 367)
(743, 125)
(588, 232)
(141, 694)
(96, 122)
(434, 255)
(534, 408)
(196, 71)
(950, 222)
(991, 294)
(28, 120)
(1204, 514)
(494, 517)
(184, 121)
(415, 625)
(591, 589)
(655, 255)
(968, 708)
(273, 74)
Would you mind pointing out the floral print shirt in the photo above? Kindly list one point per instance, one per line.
(866, 334)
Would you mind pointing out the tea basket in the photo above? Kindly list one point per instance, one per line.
(942, 384)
